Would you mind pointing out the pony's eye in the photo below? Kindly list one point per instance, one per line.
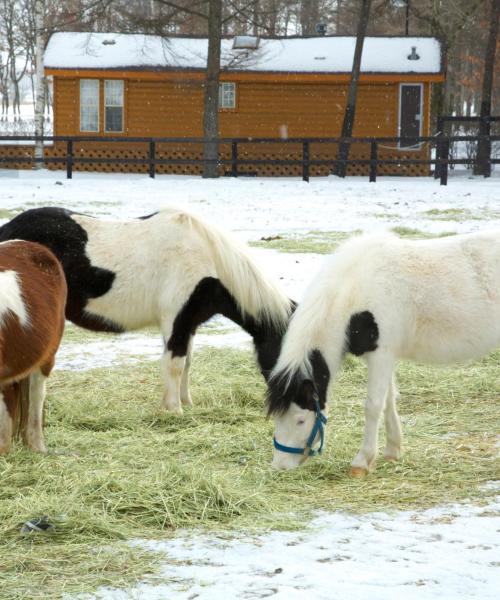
(301, 421)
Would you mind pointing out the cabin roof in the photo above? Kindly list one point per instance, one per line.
(326, 54)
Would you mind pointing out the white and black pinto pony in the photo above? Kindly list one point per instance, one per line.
(384, 299)
(32, 301)
(169, 269)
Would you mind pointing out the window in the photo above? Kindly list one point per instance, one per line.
(94, 92)
(227, 95)
(113, 105)
(89, 105)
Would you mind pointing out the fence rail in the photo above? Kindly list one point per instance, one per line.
(484, 137)
(441, 162)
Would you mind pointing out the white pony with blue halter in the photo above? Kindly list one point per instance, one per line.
(384, 299)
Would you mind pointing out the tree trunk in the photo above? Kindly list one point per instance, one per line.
(350, 109)
(309, 16)
(40, 80)
(211, 112)
(483, 164)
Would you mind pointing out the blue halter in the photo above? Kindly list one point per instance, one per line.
(318, 426)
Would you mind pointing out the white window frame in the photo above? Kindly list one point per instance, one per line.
(230, 88)
(122, 105)
(82, 81)
(417, 147)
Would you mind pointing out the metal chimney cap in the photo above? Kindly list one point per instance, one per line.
(413, 55)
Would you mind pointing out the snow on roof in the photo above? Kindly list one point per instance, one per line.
(300, 55)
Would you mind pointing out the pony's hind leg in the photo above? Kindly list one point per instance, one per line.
(5, 425)
(33, 434)
(392, 425)
(380, 371)
(185, 394)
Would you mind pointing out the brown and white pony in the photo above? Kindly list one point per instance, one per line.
(32, 300)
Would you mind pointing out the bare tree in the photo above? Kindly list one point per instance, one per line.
(309, 16)
(483, 165)
(350, 109)
(211, 104)
(40, 80)
(446, 21)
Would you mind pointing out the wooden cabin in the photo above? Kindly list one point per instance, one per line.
(111, 85)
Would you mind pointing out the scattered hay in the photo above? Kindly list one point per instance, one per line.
(325, 242)
(318, 242)
(118, 469)
(461, 214)
(411, 233)
(9, 213)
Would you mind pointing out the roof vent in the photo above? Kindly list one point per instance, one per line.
(413, 55)
(245, 42)
(108, 42)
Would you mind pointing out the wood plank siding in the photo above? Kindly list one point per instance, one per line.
(170, 104)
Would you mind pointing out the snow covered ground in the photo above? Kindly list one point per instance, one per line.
(447, 553)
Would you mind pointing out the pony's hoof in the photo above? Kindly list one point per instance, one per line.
(37, 447)
(186, 400)
(358, 472)
(391, 457)
(171, 407)
(174, 410)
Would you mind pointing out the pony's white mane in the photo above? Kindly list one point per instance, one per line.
(319, 316)
(254, 292)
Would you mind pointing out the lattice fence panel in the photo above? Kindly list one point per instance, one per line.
(186, 153)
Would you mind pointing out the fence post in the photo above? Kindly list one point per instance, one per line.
(234, 159)
(440, 135)
(373, 161)
(305, 161)
(443, 168)
(482, 164)
(69, 159)
(152, 156)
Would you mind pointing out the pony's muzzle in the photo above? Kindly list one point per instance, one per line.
(285, 462)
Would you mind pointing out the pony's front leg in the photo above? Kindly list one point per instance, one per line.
(33, 435)
(392, 425)
(5, 425)
(380, 369)
(185, 394)
(172, 368)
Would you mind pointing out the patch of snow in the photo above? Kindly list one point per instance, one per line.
(255, 207)
(443, 553)
(128, 348)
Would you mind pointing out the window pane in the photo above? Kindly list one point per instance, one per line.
(227, 95)
(89, 105)
(113, 105)
(114, 118)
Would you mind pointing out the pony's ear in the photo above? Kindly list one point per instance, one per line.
(306, 394)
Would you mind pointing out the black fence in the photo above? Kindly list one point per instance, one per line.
(441, 161)
(483, 125)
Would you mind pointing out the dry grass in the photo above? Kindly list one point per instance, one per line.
(325, 242)
(118, 469)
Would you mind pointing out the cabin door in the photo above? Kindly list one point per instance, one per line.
(410, 112)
